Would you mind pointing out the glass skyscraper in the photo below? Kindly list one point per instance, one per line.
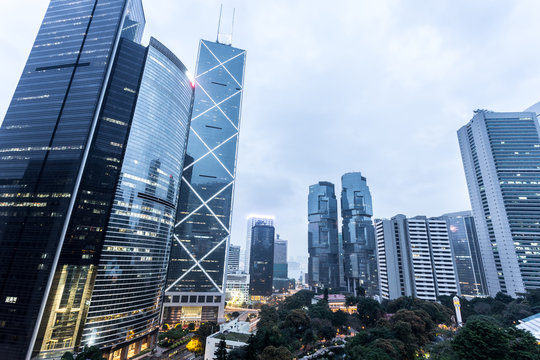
(261, 264)
(359, 246)
(197, 269)
(501, 157)
(323, 248)
(251, 222)
(465, 250)
(87, 194)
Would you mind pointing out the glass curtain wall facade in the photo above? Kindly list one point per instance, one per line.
(251, 222)
(501, 157)
(465, 249)
(197, 269)
(133, 263)
(261, 267)
(45, 140)
(323, 248)
(359, 247)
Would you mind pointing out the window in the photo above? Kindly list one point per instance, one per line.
(11, 299)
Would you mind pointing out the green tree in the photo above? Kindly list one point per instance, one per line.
(369, 311)
(480, 339)
(221, 351)
(191, 326)
(67, 356)
(89, 353)
(273, 353)
(298, 320)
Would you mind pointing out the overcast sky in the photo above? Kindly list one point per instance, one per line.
(379, 87)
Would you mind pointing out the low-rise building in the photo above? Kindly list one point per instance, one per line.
(531, 324)
(235, 333)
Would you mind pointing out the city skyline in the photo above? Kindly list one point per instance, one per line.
(442, 100)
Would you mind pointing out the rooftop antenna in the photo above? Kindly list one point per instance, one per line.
(219, 22)
(224, 38)
(232, 28)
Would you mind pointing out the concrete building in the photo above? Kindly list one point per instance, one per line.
(233, 261)
(501, 157)
(235, 333)
(414, 258)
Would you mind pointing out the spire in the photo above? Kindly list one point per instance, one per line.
(225, 38)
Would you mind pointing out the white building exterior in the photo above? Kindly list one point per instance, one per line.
(237, 288)
(501, 157)
(414, 258)
(235, 333)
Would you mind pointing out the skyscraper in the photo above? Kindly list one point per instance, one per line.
(261, 266)
(233, 261)
(251, 222)
(280, 258)
(464, 242)
(359, 247)
(89, 196)
(323, 248)
(197, 274)
(414, 258)
(501, 157)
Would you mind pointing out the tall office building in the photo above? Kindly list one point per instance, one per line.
(501, 157)
(414, 258)
(359, 247)
(465, 248)
(233, 261)
(280, 258)
(261, 267)
(323, 248)
(251, 222)
(197, 268)
(88, 196)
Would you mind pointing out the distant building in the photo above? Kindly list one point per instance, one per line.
(532, 325)
(467, 258)
(414, 258)
(501, 157)
(359, 247)
(280, 259)
(261, 267)
(336, 302)
(251, 222)
(233, 261)
(238, 288)
(323, 246)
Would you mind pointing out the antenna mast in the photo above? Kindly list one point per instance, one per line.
(219, 22)
(232, 29)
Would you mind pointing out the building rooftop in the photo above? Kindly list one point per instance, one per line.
(532, 324)
(233, 336)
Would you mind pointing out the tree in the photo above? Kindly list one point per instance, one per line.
(221, 351)
(90, 353)
(325, 296)
(481, 338)
(191, 326)
(298, 320)
(273, 353)
(205, 330)
(67, 356)
(195, 345)
(360, 291)
(369, 311)
(235, 314)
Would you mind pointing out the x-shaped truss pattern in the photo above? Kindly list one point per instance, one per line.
(212, 144)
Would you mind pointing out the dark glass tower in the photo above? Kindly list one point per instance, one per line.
(261, 264)
(359, 246)
(323, 265)
(89, 196)
(45, 143)
(197, 269)
(466, 252)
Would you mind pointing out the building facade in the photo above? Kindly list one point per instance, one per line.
(251, 222)
(89, 198)
(280, 259)
(414, 258)
(358, 233)
(501, 153)
(233, 260)
(238, 289)
(261, 266)
(323, 247)
(465, 249)
(197, 268)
